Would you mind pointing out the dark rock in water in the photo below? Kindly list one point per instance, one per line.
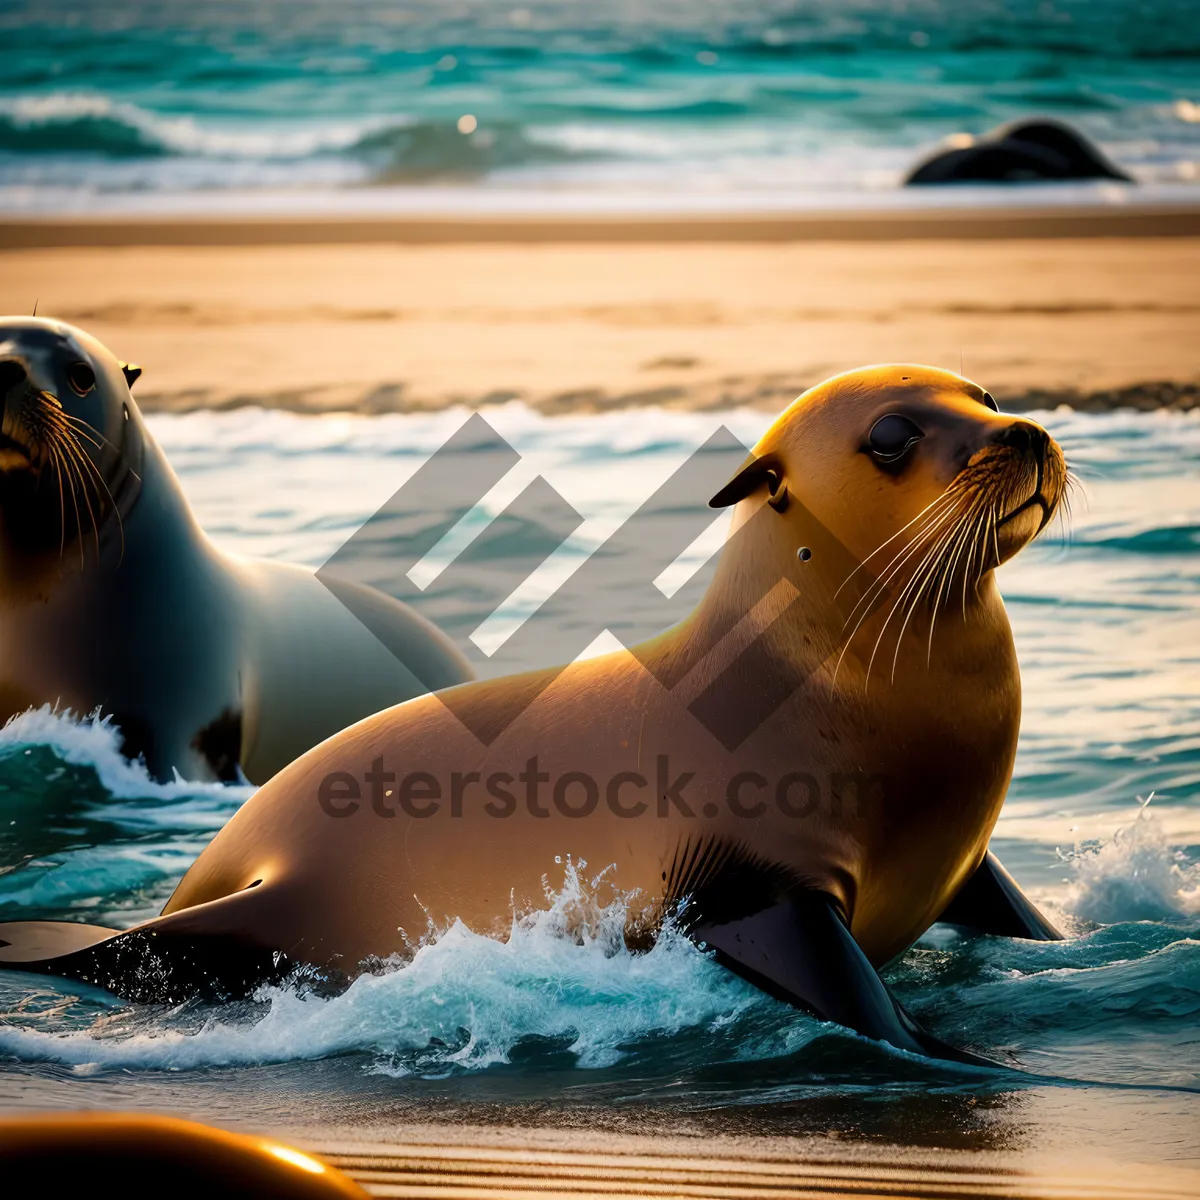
(1023, 152)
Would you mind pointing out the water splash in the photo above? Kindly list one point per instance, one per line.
(1137, 875)
(86, 834)
(463, 1002)
(94, 741)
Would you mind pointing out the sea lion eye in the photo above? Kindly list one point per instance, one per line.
(81, 377)
(987, 399)
(892, 437)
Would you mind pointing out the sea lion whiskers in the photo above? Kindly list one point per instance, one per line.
(82, 428)
(58, 437)
(965, 541)
(878, 584)
(86, 429)
(62, 515)
(49, 435)
(71, 437)
(955, 520)
(931, 530)
(878, 549)
(976, 548)
(928, 572)
(923, 544)
(37, 421)
(62, 464)
(24, 420)
(76, 457)
(979, 516)
(894, 567)
(1063, 513)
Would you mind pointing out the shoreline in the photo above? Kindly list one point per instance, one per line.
(925, 223)
(763, 395)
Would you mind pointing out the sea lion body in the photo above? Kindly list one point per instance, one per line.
(808, 847)
(943, 736)
(209, 663)
(610, 719)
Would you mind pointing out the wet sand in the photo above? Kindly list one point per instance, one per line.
(482, 1164)
(369, 316)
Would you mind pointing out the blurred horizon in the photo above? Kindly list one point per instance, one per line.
(686, 102)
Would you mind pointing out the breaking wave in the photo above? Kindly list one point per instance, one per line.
(1136, 875)
(68, 123)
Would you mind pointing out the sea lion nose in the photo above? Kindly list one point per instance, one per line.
(12, 373)
(1024, 437)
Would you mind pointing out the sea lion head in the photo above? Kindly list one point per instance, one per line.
(69, 437)
(910, 471)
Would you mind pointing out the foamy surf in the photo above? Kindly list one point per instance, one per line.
(93, 123)
(93, 741)
(1136, 875)
(463, 1002)
(574, 992)
(85, 833)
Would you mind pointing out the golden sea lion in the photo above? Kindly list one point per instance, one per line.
(68, 1154)
(112, 597)
(804, 773)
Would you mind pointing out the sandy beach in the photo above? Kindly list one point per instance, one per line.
(573, 316)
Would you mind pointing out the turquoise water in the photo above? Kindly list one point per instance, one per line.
(1102, 827)
(682, 101)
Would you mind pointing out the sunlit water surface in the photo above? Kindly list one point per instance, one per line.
(394, 104)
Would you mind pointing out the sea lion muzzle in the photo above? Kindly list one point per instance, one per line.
(1031, 440)
(12, 373)
(1024, 436)
(20, 397)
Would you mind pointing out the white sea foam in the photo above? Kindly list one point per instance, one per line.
(1137, 875)
(94, 741)
(465, 1001)
(176, 135)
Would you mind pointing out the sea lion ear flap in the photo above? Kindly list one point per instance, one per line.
(764, 470)
(132, 373)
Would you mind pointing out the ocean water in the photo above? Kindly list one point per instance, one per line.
(443, 104)
(1102, 827)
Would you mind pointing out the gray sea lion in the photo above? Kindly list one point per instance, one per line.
(853, 614)
(112, 597)
(1021, 152)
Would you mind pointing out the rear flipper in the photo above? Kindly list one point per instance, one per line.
(151, 964)
(800, 951)
(991, 902)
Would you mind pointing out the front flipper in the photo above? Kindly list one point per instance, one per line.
(991, 902)
(161, 962)
(27, 945)
(800, 951)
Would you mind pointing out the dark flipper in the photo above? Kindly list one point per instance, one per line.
(991, 902)
(150, 964)
(26, 944)
(800, 951)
